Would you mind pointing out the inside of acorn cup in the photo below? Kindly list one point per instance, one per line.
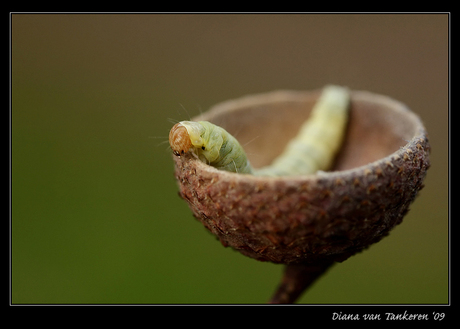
(264, 123)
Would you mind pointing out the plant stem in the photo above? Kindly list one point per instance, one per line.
(296, 279)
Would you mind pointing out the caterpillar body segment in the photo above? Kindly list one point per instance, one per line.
(319, 138)
(313, 149)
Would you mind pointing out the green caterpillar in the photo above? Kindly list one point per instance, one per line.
(313, 149)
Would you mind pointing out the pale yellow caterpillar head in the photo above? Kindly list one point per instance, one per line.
(184, 135)
(203, 137)
(179, 139)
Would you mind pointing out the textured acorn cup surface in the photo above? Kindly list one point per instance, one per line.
(309, 219)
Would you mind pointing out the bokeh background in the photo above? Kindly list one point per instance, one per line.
(96, 217)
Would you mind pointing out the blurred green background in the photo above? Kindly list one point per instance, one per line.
(96, 217)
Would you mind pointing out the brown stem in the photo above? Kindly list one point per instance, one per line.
(296, 279)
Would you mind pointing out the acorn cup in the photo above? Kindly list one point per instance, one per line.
(308, 222)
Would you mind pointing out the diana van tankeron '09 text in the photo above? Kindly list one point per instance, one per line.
(387, 316)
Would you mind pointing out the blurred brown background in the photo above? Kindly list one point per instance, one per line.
(95, 213)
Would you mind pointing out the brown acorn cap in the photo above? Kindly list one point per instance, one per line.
(314, 219)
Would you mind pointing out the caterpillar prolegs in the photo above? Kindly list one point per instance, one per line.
(313, 149)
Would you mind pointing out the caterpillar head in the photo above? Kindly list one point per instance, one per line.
(202, 137)
(184, 135)
(179, 139)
